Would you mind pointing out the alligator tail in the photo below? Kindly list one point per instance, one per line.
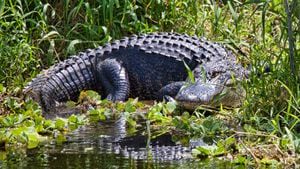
(63, 81)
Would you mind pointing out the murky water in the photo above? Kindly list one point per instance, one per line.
(106, 145)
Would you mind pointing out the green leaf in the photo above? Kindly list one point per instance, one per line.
(2, 6)
(93, 95)
(101, 115)
(233, 12)
(220, 150)
(239, 159)
(39, 128)
(60, 124)
(90, 96)
(205, 150)
(49, 124)
(93, 112)
(18, 131)
(71, 47)
(50, 35)
(131, 123)
(129, 107)
(190, 72)
(6, 121)
(201, 152)
(60, 138)
(33, 140)
(269, 161)
(2, 88)
(73, 119)
(171, 106)
(120, 106)
(230, 141)
(70, 104)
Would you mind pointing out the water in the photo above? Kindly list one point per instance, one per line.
(107, 145)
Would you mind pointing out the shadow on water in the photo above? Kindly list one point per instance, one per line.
(106, 145)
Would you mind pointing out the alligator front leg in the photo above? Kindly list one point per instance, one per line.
(113, 79)
(170, 90)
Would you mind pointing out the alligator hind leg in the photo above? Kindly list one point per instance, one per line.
(114, 80)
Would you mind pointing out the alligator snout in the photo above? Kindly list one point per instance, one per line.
(210, 94)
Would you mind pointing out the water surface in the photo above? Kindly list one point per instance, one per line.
(107, 145)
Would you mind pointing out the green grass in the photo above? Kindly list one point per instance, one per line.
(263, 34)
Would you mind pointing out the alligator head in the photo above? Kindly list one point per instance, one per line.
(222, 90)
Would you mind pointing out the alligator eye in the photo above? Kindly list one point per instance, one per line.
(215, 74)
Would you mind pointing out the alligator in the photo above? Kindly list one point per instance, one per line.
(190, 69)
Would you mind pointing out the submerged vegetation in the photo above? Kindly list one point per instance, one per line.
(265, 35)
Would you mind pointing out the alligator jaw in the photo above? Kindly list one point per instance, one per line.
(212, 95)
(197, 94)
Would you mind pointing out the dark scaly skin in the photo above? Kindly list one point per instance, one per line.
(145, 66)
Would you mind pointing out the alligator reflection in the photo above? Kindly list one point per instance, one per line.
(106, 145)
(111, 138)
